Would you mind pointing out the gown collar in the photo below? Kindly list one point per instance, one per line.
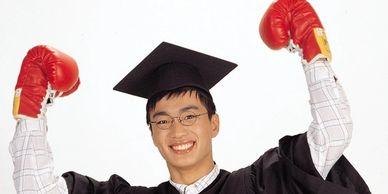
(199, 185)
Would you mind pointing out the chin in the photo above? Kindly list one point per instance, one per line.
(182, 160)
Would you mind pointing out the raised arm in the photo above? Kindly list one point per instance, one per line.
(293, 24)
(330, 131)
(46, 73)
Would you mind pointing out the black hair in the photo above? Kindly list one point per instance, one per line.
(204, 97)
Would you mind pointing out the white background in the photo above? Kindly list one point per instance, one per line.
(99, 132)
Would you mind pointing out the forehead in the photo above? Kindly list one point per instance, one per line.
(175, 103)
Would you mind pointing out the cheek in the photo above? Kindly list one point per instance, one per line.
(204, 132)
(157, 139)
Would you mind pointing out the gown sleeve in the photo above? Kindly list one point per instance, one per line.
(289, 169)
(80, 184)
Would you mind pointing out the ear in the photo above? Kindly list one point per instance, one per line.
(215, 125)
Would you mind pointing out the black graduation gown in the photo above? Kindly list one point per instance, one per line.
(287, 169)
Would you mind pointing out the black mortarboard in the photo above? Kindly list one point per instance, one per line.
(169, 67)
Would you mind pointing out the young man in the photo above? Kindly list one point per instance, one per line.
(183, 120)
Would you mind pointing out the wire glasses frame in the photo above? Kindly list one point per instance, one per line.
(186, 118)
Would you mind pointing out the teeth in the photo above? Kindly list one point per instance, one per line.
(182, 147)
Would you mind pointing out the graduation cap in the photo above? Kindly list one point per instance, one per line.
(170, 67)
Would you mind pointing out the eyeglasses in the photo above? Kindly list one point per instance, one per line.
(187, 118)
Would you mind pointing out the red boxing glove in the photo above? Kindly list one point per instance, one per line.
(45, 74)
(295, 25)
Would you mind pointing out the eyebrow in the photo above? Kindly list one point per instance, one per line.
(187, 108)
(159, 114)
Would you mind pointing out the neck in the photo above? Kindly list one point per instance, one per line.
(189, 175)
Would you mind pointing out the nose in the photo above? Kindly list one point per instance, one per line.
(177, 129)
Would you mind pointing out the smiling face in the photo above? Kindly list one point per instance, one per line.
(185, 147)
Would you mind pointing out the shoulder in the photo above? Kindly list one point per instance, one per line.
(77, 183)
(270, 170)
(265, 171)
